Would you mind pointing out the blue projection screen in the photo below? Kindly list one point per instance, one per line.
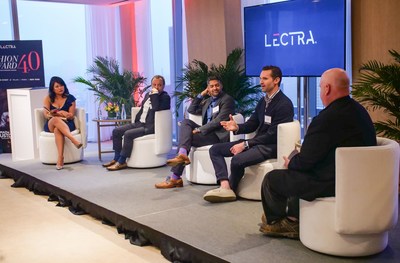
(302, 37)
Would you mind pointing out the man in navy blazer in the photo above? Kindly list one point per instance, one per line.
(311, 173)
(156, 100)
(271, 110)
(214, 106)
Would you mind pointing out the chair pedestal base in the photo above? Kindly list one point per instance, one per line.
(48, 150)
(151, 150)
(143, 155)
(288, 134)
(250, 185)
(318, 232)
(48, 153)
(201, 170)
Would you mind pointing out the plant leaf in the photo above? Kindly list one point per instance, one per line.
(378, 87)
(109, 84)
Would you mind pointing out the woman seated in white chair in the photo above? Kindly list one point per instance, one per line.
(59, 111)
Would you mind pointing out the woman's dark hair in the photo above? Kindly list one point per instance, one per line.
(60, 81)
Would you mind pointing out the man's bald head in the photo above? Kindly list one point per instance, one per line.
(334, 84)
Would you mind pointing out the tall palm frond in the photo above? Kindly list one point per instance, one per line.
(237, 84)
(193, 82)
(378, 87)
(232, 75)
(110, 85)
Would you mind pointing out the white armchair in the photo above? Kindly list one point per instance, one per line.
(151, 150)
(250, 185)
(356, 221)
(201, 170)
(46, 142)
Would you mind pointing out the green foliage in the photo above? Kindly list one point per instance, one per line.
(232, 75)
(379, 88)
(110, 85)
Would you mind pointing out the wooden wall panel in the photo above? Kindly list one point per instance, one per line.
(213, 29)
(233, 25)
(375, 30)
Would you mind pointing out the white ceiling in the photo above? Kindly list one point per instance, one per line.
(89, 2)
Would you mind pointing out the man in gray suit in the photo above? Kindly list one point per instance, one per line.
(214, 106)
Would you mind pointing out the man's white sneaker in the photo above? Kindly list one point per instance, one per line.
(220, 195)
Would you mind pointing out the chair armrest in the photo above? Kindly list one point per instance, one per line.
(80, 119)
(196, 118)
(163, 131)
(251, 135)
(134, 112)
(39, 123)
(238, 118)
(366, 188)
(288, 135)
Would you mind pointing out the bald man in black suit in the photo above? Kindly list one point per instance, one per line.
(311, 173)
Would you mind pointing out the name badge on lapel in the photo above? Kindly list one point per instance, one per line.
(267, 119)
(215, 109)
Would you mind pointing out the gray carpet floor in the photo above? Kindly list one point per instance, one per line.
(227, 230)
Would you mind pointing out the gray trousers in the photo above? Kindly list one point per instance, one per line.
(187, 139)
(129, 132)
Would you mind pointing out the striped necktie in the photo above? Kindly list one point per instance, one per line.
(267, 101)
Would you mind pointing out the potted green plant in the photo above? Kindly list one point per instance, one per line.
(232, 75)
(109, 84)
(378, 87)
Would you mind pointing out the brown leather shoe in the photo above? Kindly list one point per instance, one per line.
(282, 228)
(169, 183)
(264, 219)
(263, 223)
(112, 162)
(179, 159)
(117, 166)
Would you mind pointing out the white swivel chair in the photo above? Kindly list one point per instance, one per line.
(151, 150)
(356, 221)
(46, 142)
(201, 170)
(250, 185)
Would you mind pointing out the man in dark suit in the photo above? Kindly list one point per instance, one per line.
(156, 100)
(213, 109)
(311, 173)
(273, 109)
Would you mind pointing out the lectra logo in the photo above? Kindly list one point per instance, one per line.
(296, 38)
(7, 46)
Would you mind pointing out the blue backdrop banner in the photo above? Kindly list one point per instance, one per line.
(302, 37)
